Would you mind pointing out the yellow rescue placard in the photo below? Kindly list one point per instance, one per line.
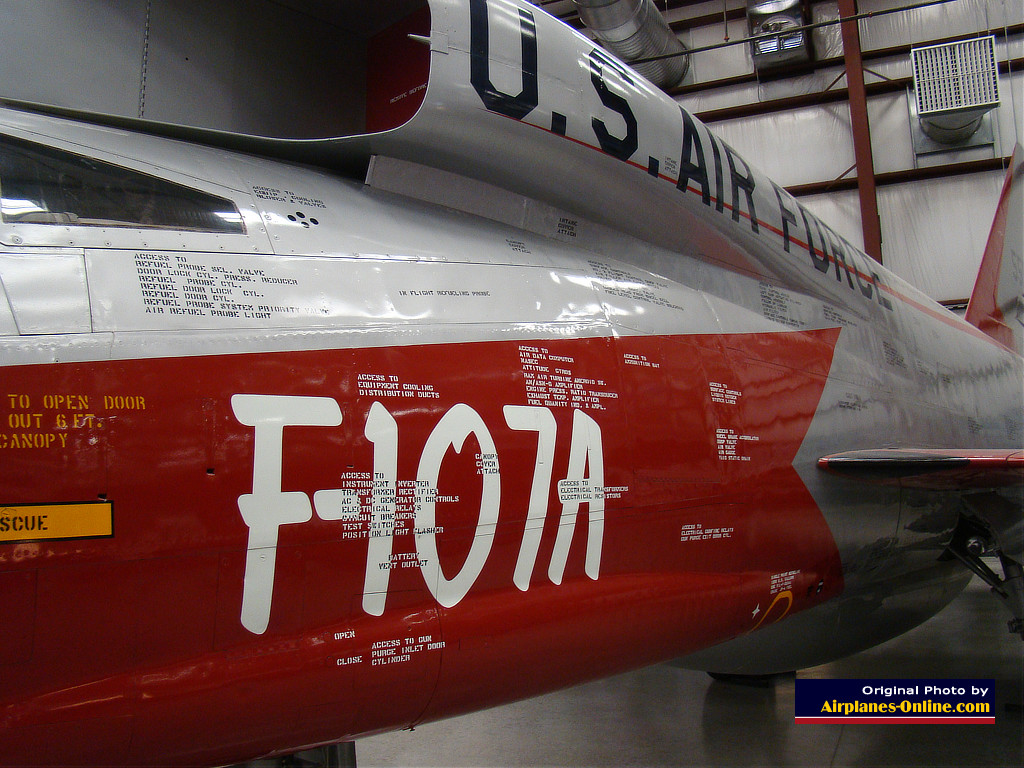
(34, 522)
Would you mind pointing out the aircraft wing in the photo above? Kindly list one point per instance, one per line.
(931, 468)
(990, 484)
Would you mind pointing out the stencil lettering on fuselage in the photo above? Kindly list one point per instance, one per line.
(268, 507)
(623, 117)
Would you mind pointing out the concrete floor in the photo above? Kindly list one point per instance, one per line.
(664, 716)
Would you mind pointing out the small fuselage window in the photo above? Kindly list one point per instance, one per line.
(40, 184)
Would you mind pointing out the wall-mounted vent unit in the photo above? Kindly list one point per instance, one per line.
(955, 85)
(780, 41)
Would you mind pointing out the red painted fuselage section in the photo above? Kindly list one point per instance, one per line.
(631, 450)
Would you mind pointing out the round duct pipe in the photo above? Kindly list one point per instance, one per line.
(635, 29)
(952, 129)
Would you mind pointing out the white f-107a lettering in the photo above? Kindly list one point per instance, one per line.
(267, 508)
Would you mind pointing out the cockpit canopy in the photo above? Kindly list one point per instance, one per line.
(41, 184)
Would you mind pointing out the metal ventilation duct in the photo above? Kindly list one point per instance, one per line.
(635, 29)
(956, 84)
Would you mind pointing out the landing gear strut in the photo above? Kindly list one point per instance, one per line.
(970, 542)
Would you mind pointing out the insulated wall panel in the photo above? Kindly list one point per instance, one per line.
(768, 90)
(949, 20)
(841, 211)
(891, 147)
(724, 62)
(797, 147)
(934, 232)
(1010, 115)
